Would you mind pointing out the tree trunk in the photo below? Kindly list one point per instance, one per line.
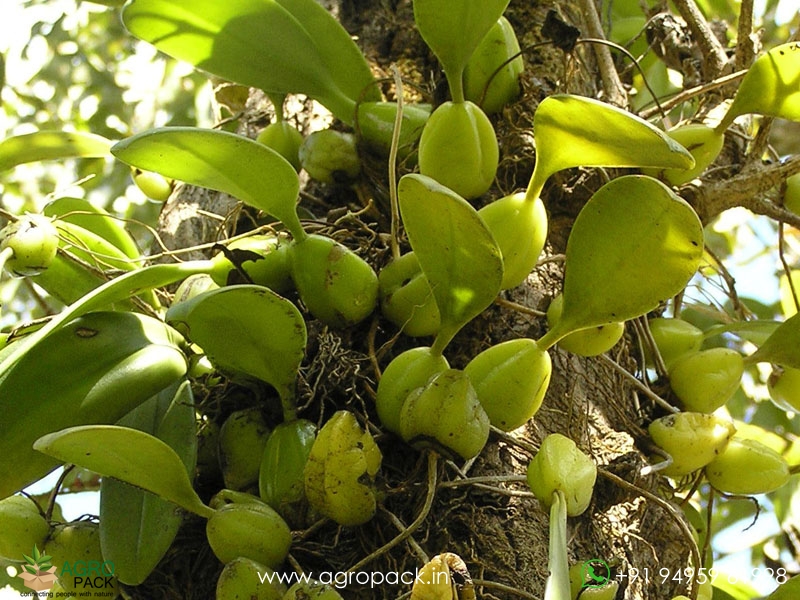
(496, 526)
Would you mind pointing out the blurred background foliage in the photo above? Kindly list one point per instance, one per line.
(70, 65)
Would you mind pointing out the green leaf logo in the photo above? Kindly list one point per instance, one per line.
(37, 561)
(39, 572)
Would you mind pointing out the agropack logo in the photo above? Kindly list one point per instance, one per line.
(88, 575)
(40, 575)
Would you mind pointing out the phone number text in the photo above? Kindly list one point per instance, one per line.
(701, 576)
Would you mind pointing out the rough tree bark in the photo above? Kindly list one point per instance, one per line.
(496, 527)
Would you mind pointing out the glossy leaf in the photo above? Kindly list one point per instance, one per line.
(94, 369)
(92, 218)
(51, 145)
(280, 475)
(787, 590)
(573, 131)
(115, 290)
(129, 455)
(782, 347)
(730, 586)
(755, 332)
(456, 252)
(221, 161)
(247, 330)
(137, 528)
(343, 58)
(704, 144)
(771, 87)
(453, 29)
(279, 46)
(634, 245)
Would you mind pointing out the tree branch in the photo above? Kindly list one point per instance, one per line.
(747, 189)
(745, 40)
(612, 85)
(715, 58)
(690, 93)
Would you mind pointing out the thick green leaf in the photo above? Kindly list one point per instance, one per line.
(634, 244)
(85, 214)
(116, 290)
(456, 251)
(733, 586)
(771, 87)
(94, 369)
(453, 29)
(346, 64)
(51, 145)
(788, 590)
(572, 131)
(26, 349)
(259, 43)
(248, 330)
(129, 455)
(136, 527)
(221, 161)
(782, 347)
(755, 332)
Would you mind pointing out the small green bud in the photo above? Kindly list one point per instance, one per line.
(674, 338)
(510, 379)
(34, 241)
(784, 388)
(153, 185)
(284, 139)
(494, 50)
(408, 371)
(747, 467)
(585, 342)
(702, 142)
(242, 439)
(458, 148)
(241, 580)
(560, 465)
(791, 197)
(263, 258)
(337, 286)
(341, 469)
(330, 156)
(520, 228)
(706, 380)
(692, 440)
(249, 530)
(192, 286)
(21, 527)
(446, 413)
(407, 298)
(280, 480)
